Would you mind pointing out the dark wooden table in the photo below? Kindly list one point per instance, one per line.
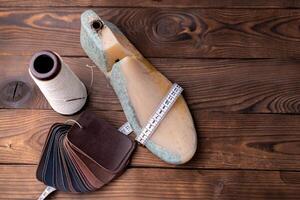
(236, 59)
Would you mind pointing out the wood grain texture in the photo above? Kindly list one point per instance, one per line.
(231, 85)
(247, 148)
(226, 141)
(164, 32)
(18, 182)
(158, 3)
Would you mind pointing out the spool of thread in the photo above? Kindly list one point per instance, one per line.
(63, 90)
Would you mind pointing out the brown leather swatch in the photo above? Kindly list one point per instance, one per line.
(82, 159)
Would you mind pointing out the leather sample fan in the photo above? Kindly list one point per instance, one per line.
(85, 156)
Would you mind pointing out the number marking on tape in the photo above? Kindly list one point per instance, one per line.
(164, 107)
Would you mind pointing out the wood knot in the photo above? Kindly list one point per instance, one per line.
(218, 189)
(167, 27)
(14, 92)
(287, 147)
(171, 27)
(292, 178)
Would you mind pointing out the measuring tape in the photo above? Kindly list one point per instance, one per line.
(164, 107)
(46, 192)
(125, 129)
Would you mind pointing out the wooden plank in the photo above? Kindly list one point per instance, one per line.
(164, 3)
(232, 141)
(18, 182)
(164, 32)
(232, 85)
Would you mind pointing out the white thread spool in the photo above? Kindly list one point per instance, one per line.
(62, 88)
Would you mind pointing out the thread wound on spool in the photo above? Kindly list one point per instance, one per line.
(62, 88)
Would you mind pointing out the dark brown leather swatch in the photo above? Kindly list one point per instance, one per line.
(84, 159)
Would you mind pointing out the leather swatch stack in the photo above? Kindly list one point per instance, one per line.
(82, 159)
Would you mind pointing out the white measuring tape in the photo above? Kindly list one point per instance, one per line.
(164, 107)
(46, 192)
(154, 121)
(162, 110)
(125, 129)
